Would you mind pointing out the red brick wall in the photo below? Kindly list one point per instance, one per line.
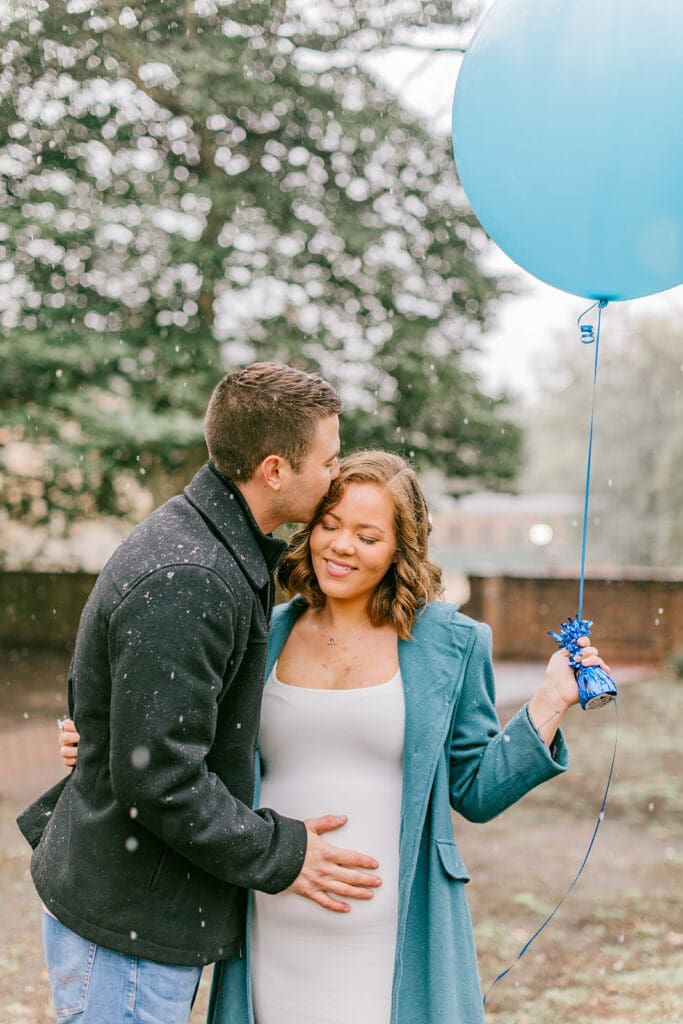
(43, 609)
(636, 621)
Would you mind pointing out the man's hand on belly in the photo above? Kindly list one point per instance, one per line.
(330, 869)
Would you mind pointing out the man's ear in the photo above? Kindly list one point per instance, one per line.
(274, 472)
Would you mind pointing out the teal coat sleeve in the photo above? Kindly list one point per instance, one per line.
(491, 769)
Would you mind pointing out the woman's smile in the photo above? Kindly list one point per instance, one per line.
(336, 568)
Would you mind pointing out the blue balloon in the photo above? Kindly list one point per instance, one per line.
(568, 138)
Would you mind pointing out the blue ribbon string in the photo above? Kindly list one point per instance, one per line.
(569, 888)
(589, 335)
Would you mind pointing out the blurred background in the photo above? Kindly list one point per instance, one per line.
(188, 185)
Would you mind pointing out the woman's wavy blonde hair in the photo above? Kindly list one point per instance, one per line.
(412, 580)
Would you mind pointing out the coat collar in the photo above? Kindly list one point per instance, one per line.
(222, 504)
(427, 660)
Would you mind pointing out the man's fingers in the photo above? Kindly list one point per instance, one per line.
(351, 859)
(329, 904)
(327, 823)
(330, 870)
(352, 878)
(350, 892)
(335, 854)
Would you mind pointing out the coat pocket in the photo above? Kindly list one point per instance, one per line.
(168, 877)
(451, 861)
(155, 876)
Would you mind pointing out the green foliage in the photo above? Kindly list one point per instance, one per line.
(675, 664)
(185, 186)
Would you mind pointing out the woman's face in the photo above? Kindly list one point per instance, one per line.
(354, 543)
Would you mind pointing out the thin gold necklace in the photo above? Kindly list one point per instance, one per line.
(331, 639)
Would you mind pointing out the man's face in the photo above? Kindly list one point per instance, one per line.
(308, 487)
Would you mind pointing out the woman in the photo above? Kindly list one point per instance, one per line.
(379, 700)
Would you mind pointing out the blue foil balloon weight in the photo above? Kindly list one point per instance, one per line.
(596, 687)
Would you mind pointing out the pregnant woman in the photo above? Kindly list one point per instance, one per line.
(379, 702)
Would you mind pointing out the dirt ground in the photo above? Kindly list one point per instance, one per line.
(614, 951)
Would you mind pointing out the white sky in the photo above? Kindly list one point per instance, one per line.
(524, 322)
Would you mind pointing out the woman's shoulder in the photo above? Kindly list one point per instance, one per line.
(442, 618)
(443, 632)
(441, 612)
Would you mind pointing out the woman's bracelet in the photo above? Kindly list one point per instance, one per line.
(554, 715)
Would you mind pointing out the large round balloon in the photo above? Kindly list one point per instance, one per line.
(568, 138)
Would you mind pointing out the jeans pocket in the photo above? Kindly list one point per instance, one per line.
(69, 959)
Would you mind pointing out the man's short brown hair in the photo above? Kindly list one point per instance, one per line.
(265, 409)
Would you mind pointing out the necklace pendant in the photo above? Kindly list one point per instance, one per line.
(331, 642)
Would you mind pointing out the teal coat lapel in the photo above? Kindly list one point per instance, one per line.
(432, 667)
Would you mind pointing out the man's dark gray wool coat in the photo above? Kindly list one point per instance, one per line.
(149, 845)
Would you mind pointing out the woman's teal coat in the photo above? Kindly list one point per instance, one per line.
(454, 756)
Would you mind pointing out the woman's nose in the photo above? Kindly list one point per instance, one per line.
(343, 541)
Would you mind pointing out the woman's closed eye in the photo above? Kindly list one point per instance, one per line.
(331, 527)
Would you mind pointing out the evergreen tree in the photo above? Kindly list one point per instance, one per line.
(186, 185)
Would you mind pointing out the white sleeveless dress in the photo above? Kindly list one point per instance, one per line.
(331, 752)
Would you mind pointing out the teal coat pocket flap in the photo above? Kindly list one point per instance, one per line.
(451, 861)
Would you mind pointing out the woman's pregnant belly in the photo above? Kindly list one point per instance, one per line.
(331, 753)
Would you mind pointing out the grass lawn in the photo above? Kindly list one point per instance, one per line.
(614, 951)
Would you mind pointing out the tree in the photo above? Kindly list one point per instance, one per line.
(637, 476)
(191, 184)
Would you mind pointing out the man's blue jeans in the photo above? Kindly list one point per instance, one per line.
(94, 985)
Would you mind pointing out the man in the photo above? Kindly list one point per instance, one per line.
(143, 855)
